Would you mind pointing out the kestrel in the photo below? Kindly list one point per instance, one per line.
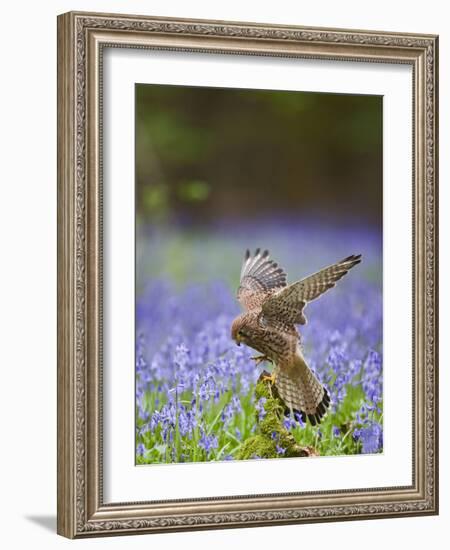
(271, 310)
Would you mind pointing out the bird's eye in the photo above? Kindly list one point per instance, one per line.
(241, 333)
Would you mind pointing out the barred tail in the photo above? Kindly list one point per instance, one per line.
(301, 391)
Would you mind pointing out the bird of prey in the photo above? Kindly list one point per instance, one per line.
(271, 310)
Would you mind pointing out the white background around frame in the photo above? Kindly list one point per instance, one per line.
(28, 275)
(123, 481)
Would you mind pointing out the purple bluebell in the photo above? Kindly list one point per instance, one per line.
(336, 431)
(371, 437)
(140, 449)
(208, 443)
(280, 450)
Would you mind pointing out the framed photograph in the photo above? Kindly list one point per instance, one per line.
(247, 288)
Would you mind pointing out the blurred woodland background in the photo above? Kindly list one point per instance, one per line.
(208, 154)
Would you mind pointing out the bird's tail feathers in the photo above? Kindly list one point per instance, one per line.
(301, 391)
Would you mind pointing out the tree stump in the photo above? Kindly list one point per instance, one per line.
(272, 439)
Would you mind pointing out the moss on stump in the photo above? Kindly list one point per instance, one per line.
(272, 439)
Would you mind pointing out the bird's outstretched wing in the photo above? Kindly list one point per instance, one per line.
(288, 303)
(260, 277)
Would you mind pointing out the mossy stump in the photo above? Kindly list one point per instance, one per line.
(272, 439)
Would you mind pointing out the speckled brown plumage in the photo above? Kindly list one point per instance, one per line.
(271, 311)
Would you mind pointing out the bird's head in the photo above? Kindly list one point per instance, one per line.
(240, 330)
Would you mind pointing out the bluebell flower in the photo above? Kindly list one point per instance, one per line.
(181, 356)
(289, 422)
(208, 442)
(236, 404)
(280, 450)
(155, 419)
(227, 413)
(140, 449)
(371, 438)
(298, 417)
(260, 408)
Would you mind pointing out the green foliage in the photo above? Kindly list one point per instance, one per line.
(156, 201)
(193, 191)
(247, 437)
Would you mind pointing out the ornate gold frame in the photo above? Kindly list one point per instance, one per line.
(81, 38)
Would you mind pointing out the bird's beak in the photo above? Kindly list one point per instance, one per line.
(238, 340)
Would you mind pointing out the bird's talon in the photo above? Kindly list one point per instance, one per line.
(269, 378)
